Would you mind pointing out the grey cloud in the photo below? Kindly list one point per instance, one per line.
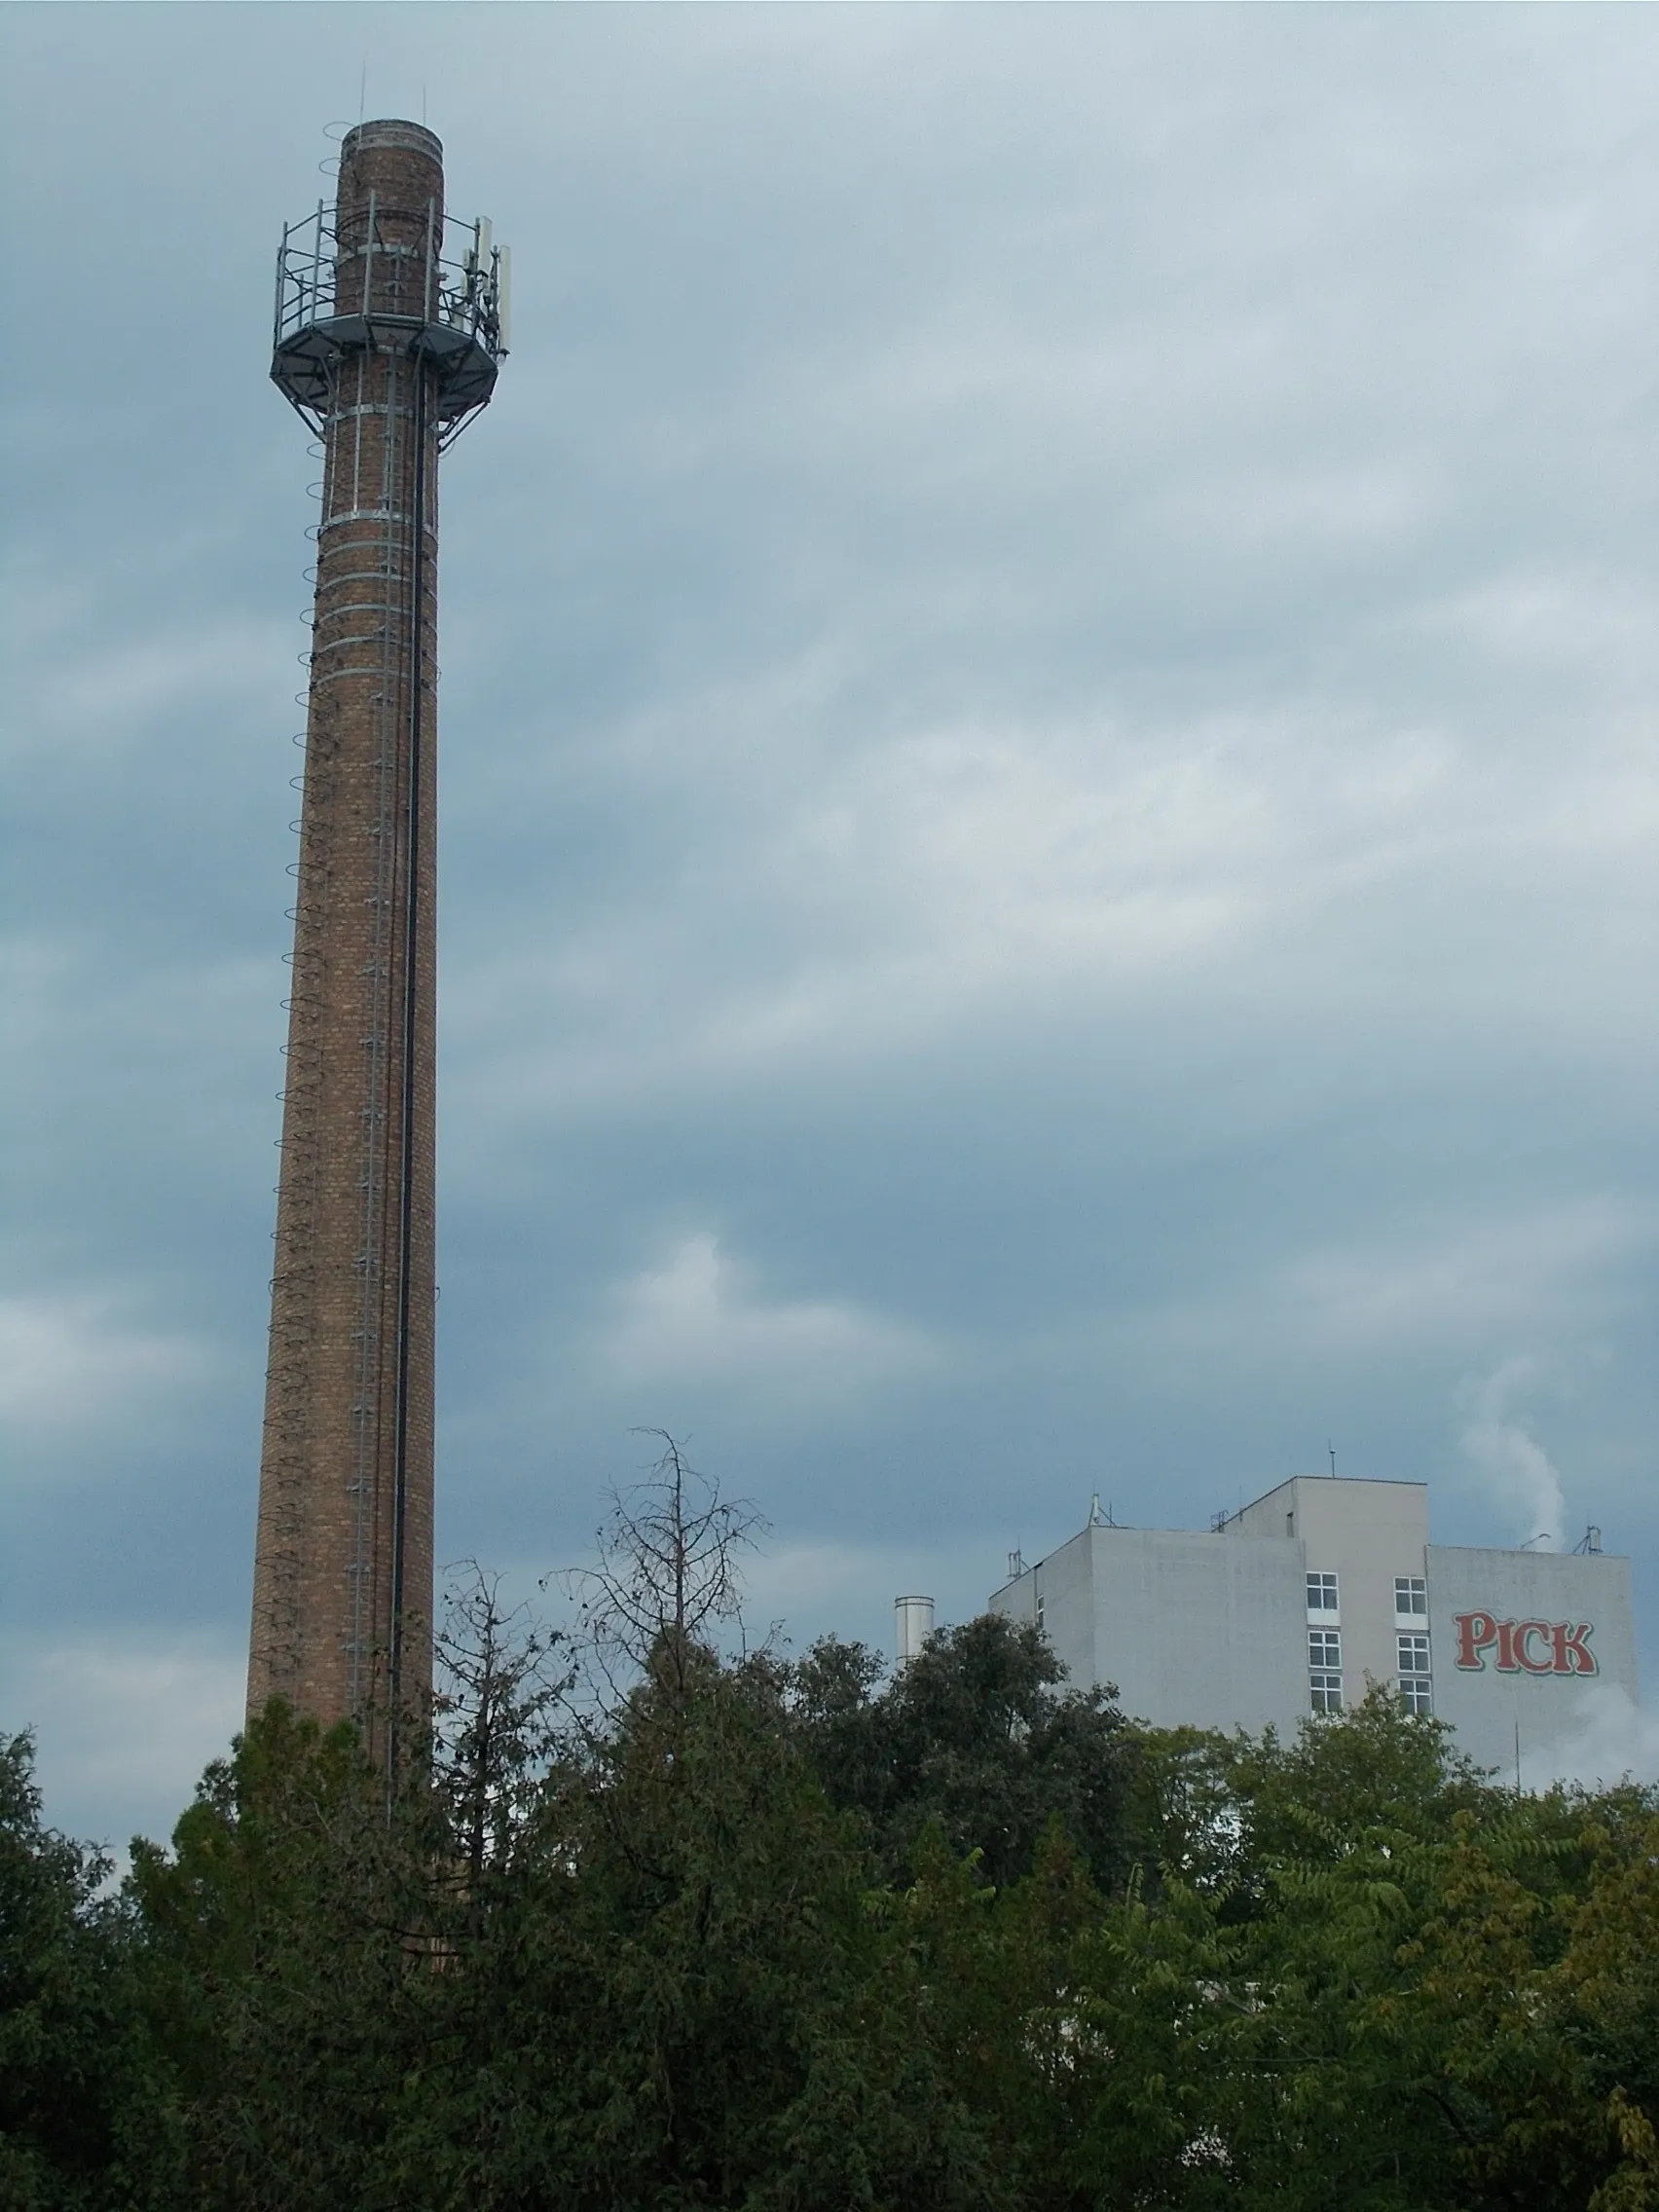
(1048, 780)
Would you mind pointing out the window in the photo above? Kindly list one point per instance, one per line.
(1321, 1593)
(1324, 1652)
(1410, 1598)
(1412, 1653)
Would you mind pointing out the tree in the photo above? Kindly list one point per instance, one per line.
(718, 1930)
(1409, 1997)
(290, 1942)
(497, 1712)
(691, 2002)
(681, 1994)
(973, 1737)
(85, 2111)
(667, 1584)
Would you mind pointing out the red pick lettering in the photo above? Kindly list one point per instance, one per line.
(1573, 1654)
(1475, 1632)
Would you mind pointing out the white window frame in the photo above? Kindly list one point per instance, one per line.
(1325, 1690)
(1323, 1611)
(1411, 1599)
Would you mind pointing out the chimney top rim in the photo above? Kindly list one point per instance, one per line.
(394, 130)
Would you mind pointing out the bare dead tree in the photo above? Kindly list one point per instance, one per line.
(667, 1586)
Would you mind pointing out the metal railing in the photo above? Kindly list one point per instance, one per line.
(463, 281)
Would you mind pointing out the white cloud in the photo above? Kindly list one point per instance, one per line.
(1608, 1739)
(100, 702)
(1463, 1280)
(1299, 507)
(1518, 1471)
(912, 884)
(697, 1317)
(1545, 616)
(80, 1362)
(1448, 1284)
(1053, 610)
(128, 1721)
(833, 1586)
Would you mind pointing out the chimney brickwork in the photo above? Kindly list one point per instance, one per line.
(343, 1579)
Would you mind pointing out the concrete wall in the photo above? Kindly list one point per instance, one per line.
(1490, 1703)
(1211, 1630)
(1365, 1534)
(1062, 1596)
(1189, 1627)
(1059, 1595)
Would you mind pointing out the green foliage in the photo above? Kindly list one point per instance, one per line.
(688, 2001)
(83, 2118)
(1420, 1996)
(782, 1939)
(975, 1738)
(291, 1937)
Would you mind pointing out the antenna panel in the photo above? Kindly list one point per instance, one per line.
(505, 295)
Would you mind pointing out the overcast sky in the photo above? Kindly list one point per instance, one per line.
(1049, 792)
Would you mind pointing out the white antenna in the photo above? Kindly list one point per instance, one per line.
(505, 294)
(484, 233)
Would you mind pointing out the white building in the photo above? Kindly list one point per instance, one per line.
(1303, 1599)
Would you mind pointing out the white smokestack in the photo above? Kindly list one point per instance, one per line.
(913, 1625)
